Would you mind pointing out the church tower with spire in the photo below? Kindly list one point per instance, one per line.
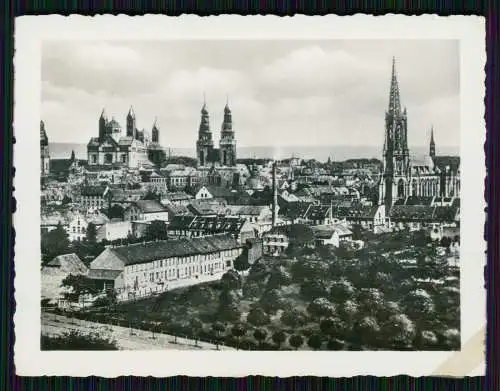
(205, 143)
(432, 145)
(44, 150)
(396, 155)
(227, 144)
(155, 133)
(131, 124)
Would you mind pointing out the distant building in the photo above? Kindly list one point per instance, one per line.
(206, 192)
(201, 226)
(147, 268)
(93, 197)
(146, 210)
(276, 240)
(331, 234)
(113, 148)
(114, 230)
(44, 151)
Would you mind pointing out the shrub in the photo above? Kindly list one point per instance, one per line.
(296, 341)
(74, 340)
(258, 317)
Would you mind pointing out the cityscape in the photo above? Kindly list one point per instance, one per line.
(142, 248)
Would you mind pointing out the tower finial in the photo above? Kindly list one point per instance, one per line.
(394, 100)
(432, 144)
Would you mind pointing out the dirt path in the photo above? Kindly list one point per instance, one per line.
(126, 339)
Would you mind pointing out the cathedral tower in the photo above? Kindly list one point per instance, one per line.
(131, 129)
(44, 151)
(155, 133)
(227, 145)
(103, 124)
(396, 156)
(432, 146)
(205, 143)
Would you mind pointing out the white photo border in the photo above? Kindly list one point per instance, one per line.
(31, 31)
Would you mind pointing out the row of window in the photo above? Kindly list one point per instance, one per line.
(181, 260)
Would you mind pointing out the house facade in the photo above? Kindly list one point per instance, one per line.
(147, 268)
(146, 210)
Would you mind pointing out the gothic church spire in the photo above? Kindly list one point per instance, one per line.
(394, 100)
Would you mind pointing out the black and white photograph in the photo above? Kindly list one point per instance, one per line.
(297, 195)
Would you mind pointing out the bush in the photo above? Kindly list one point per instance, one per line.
(74, 340)
(296, 341)
(258, 317)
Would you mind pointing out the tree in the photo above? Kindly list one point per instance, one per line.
(54, 243)
(238, 331)
(315, 341)
(231, 280)
(312, 289)
(400, 331)
(115, 212)
(342, 290)
(279, 337)
(91, 234)
(218, 328)
(271, 301)
(241, 262)
(321, 308)
(260, 335)
(157, 230)
(300, 234)
(257, 317)
(278, 277)
(293, 318)
(367, 330)
(75, 340)
(296, 341)
(196, 327)
(78, 285)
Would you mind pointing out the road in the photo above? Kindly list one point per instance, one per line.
(126, 339)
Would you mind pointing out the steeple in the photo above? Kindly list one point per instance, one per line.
(432, 146)
(131, 113)
(103, 123)
(44, 140)
(155, 133)
(131, 128)
(227, 124)
(205, 119)
(394, 100)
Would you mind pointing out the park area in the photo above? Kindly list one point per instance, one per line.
(400, 292)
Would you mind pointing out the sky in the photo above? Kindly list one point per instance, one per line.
(288, 93)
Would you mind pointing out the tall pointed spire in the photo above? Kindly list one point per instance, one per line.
(131, 113)
(394, 101)
(103, 113)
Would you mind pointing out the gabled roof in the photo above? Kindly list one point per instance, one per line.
(246, 210)
(317, 212)
(149, 206)
(152, 251)
(411, 212)
(93, 191)
(219, 191)
(210, 224)
(68, 263)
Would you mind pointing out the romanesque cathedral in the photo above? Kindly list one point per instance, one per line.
(402, 176)
(112, 147)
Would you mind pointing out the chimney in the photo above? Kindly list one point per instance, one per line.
(275, 196)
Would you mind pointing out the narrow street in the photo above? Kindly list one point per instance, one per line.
(126, 339)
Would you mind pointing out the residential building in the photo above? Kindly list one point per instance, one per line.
(201, 226)
(147, 268)
(146, 210)
(114, 230)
